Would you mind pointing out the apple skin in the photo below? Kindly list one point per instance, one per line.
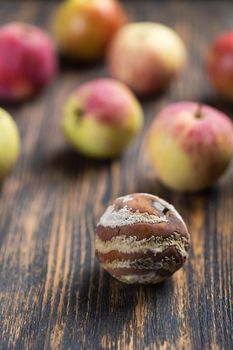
(27, 62)
(220, 64)
(9, 143)
(83, 29)
(146, 56)
(101, 118)
(190, 145)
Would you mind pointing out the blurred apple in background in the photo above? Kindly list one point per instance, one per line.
(9, 143)
(83, 29)
(220, 64)
(146, 56)
(190, 145)
(27, 61)
(101, 118)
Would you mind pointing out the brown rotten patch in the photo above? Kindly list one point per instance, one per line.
(170, 252)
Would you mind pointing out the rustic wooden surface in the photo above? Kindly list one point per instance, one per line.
(52, 293)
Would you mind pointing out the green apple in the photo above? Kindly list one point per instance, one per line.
(9, 143)
(101, 118)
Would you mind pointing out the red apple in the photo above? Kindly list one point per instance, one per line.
(190, 145)
(83, 29)
(220, 64)
(101, 118)
(146, 56)
(27, 61)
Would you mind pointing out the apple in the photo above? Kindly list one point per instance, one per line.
(190, 145)
(146, 56)
(9, 143)
(27, 61)
(101, 118)
(83, 29)
(220, 64)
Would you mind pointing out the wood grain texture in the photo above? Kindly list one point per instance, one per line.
(52, 293)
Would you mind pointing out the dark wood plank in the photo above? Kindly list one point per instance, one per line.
(52, 293)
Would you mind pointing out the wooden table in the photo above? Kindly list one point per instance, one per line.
(52, 292)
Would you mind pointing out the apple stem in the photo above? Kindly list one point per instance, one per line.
(79, 114)
(198, 113)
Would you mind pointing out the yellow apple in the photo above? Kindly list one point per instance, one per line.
(190, 145)
(146, 56)
(84, 28)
